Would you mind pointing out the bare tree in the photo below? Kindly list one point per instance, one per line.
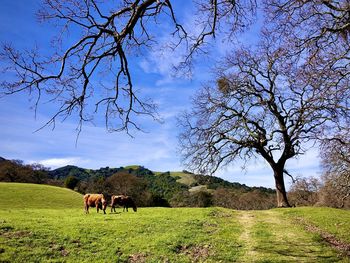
(305, 191)
(335, 155)
(128, 184)
(107, 34)
(320, 21)
(318, 31)
(264, 104)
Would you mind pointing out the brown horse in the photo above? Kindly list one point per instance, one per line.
(95, 200)
(122, 200)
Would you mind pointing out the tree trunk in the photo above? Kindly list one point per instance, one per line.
(282, 200)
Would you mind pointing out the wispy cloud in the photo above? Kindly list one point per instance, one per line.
(59, 162)
(170, 53)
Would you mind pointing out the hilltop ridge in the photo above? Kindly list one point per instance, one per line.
(184, 177)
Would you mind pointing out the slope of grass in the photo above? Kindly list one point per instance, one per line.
(18, 195)
(185, 178)
(331, 220)
(132, 167)
(56, 233)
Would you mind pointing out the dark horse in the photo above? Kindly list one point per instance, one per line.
(122, 200)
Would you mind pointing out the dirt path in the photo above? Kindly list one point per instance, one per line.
(269, 237)
(248, 220)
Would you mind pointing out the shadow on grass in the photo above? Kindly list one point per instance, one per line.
(294, 251)
(114, 213)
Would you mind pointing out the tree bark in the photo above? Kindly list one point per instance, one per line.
(282, 200)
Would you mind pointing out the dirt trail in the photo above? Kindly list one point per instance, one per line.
(247, 219)
(267, 235)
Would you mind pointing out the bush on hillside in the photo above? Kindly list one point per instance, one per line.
(241, 200)
(71, 182)
(330, 196)
(128, 184)
(305, 191)
(195, 199)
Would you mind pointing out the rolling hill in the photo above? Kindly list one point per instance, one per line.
(20, 196)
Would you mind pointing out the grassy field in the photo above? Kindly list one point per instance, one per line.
(47, 224)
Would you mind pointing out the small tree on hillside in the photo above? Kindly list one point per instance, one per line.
(128, 184)
(71, 182)
(264, 104)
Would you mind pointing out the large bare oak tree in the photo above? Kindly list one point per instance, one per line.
(267, 104)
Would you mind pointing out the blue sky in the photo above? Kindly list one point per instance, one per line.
(155, 149)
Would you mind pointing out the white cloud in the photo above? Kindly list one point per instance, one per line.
(59, 162)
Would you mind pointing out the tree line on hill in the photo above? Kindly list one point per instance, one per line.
(149, 189)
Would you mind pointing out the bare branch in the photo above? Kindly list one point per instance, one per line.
(106, 37)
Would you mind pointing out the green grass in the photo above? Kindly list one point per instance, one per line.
(331, 220)
(20, 196)
(47, 224)
(275, 239)
(185, 178)
(157, 233)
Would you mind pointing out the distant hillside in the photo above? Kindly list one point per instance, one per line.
(167, 188)
(21, 196)
(148, 188)
(185, 179)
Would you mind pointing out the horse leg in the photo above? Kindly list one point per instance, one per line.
(86, 208)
